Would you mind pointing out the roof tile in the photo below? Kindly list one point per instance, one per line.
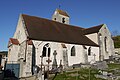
(48, 30)
(62, 12)
(91, 30)
(14, 41)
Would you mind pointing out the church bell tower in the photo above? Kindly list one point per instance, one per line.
(60, 16)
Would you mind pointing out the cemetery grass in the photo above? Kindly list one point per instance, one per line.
(78, 74)
(113, 67)
(83, 73)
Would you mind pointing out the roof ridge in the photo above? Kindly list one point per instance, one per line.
(54, 21)
(93, 29)
(95, 26)
(48, 30)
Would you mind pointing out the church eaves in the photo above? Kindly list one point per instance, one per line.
(14, 41)
(91, 30)
(48, 30)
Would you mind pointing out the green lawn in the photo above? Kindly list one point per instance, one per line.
(83, 73)
(114, 66)
(79, 74)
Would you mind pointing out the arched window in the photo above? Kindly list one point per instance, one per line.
(63, 20)
(44, 51)
(105, 41)
(49, 49)
(55, 19)
(84, 47)
(89, 51)
(73, 51)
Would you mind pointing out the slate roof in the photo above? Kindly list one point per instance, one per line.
(48, 30)
(14, 41)
(62, 12)
(91, 30)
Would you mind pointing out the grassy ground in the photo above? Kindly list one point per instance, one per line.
(79, 74)
(114, 66)
(85, 74)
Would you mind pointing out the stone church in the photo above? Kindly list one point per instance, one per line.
(50, 43)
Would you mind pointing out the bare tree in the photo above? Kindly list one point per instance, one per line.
(115, 33)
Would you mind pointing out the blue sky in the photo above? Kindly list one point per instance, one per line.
(84, 13)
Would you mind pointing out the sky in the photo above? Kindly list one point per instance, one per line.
(83, 13)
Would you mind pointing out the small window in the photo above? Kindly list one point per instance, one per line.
(84, 47)
(55, 19)
(73, 51)
(89, 51)
(9, 50)
(99, 36)
(44, 51)
(49, 52)
(63, 20)
(105, 41)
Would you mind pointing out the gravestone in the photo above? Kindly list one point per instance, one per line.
(100, 65)
(54, 65)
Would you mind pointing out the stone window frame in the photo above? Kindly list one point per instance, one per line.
(46, 50)
(63, 20)
(105, 42)
(89, 51)
(55, 19)
(73, 51)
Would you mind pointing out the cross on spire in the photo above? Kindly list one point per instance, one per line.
(59, 6)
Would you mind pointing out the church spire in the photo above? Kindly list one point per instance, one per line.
(61, 16)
